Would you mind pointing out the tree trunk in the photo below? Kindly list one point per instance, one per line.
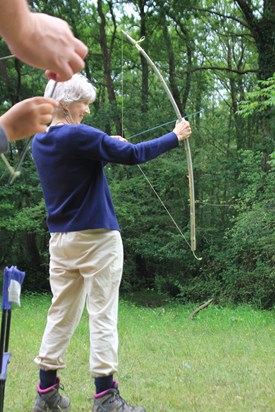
(107, 71)
(34, 255)
(144, 65)
(263, 31)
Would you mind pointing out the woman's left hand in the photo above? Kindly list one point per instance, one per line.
(119, 138)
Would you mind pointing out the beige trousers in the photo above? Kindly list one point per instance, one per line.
(84, 266)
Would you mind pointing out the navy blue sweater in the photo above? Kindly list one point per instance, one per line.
(70, 161)
(4, 143)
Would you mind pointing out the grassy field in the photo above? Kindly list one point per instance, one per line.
(223, 360)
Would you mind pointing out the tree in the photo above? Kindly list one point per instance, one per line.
(262, 28)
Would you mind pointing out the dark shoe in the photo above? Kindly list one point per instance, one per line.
(111, 401)
(50, 400)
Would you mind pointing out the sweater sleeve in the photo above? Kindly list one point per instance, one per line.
(4, 143)
(96, 144)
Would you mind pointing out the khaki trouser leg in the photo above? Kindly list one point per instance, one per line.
(102, 288)
(84, 264)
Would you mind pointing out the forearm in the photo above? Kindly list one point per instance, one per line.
(15, 16)
(4, 144)
(132, 154)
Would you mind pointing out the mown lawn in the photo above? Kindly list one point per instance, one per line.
(223, 360)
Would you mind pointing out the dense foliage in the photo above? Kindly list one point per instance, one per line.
(218, 59)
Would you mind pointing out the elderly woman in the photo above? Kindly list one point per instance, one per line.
(86, 252)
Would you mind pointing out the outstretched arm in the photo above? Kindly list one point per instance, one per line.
(41, 40)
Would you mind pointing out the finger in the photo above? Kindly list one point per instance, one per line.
(36, 100)
(64, 72)
(46, 108)
(51, 101)
(41, 128)
(182, 120)
(76, 63)
(64, 75)
(122, 139)
(185, 123)
(45, 119)
(50, 75)
(41, 101)
(80, 48)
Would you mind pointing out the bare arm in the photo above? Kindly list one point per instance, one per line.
(14, 15)
(41, 40)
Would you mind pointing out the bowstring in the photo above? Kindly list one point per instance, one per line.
(139, 167)
(163, 124)
(14, 171)
(122, 86)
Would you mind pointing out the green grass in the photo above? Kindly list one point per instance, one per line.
(223, 360)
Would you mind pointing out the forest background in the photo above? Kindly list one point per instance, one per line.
(218, 59)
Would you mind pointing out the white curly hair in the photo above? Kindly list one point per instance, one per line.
(77, 88)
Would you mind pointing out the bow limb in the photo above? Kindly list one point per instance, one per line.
(21, 160)
(186, 143)
(13, 173)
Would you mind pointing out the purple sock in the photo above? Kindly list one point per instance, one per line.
(103, 383)
(47, 378)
